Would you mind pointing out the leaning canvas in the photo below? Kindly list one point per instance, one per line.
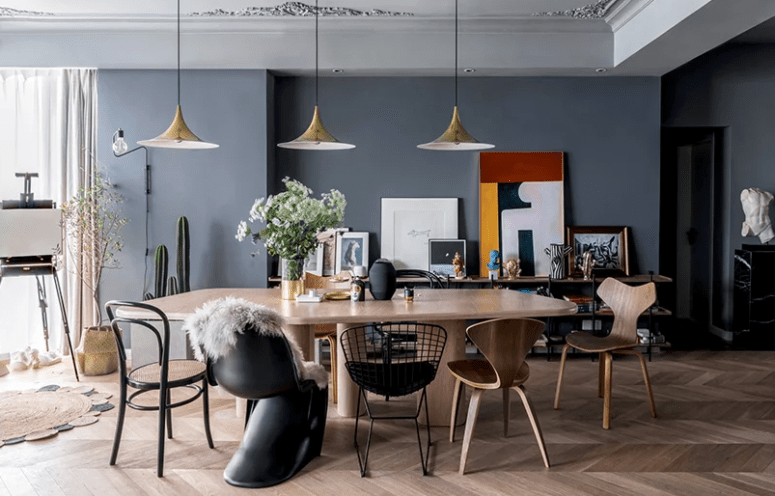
(520, 207)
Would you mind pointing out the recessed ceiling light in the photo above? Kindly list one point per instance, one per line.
(601, 70)
(338, 71)
(469, 70)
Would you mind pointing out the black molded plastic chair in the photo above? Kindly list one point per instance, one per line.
(382, 368)
(162, 376)
(433, 279)
(286, 415)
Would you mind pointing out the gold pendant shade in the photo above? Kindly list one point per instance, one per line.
(316, 138)
(178, 135)
(455, 138)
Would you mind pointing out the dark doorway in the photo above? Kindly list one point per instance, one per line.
(690, 227)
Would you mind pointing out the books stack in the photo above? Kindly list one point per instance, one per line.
(585, 303)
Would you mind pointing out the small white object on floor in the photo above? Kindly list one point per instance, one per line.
(3, 370)
(24, 359)
(47, 359)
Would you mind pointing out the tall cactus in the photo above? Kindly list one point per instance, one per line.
(160, 281)
(172, 286)
(184, 252)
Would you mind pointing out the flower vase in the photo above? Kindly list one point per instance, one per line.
(292, 281)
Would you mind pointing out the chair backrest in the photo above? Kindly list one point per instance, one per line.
(162, 338)
(627, 303)
(393, 359)
(505, 343)
(258, 366)
(433, 279)
(339, 281)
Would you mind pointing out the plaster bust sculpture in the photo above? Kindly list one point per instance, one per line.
(495, 260)
(512, 268)
(756, 206)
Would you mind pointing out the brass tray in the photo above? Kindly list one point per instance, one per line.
(338, 295)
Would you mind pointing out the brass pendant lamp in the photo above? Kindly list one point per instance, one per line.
(455, 138)
(316, 137)
(178, 135)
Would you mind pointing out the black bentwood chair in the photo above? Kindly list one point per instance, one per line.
(162, 377)
(378, 366)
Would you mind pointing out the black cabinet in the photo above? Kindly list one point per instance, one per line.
(753, 322)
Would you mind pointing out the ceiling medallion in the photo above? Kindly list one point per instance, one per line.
(299, 9)
(593, 11)
(9, 12)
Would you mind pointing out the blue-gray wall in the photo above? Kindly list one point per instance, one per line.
(732, 88)
(213, 188)
(609, 129)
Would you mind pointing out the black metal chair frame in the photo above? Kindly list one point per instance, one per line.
(164, 385)
(436, 340)
(433, 279)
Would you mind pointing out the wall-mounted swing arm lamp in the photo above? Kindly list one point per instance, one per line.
(120, 149)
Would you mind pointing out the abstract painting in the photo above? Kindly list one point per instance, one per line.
(520, 207)
(608, 246)
(352, 249)
(442, 252)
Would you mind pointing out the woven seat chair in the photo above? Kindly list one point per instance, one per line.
(161, 376)
(382, 368)
(628, 303)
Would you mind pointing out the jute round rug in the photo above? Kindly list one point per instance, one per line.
(41, 413)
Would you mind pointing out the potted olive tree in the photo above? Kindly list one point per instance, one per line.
(93, 222)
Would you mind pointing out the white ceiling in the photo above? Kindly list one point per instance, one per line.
(497, 37)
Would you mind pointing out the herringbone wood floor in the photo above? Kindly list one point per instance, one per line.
(715, 435)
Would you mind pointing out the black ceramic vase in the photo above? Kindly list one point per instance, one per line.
(382, 279)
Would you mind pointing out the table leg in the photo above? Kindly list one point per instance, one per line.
(304, 335)
(347, 391)
(441, 390)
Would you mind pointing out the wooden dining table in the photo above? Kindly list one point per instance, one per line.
(450, 308)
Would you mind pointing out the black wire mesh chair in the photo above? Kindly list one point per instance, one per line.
(162, 376)
(434, 280)
(382, 368)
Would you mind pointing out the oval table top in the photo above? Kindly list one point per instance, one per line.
(428, 304)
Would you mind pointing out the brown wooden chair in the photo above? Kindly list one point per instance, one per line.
(339, 282)
(628, 303)
(504, 343)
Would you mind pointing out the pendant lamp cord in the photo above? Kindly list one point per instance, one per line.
(455, 53)
(316, 52)
(178, 53)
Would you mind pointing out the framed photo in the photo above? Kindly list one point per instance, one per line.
(407, 224)
(314, 263)
(442, 251)
(352, 249)
(608, 246)
(328, 239)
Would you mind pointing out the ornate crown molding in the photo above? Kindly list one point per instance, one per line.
(299, 9)
(596, 10)
(9, 12)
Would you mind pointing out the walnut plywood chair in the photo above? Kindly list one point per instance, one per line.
(505, 343)
(340, 282)
(627, 303)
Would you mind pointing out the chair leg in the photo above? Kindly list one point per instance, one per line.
(607, 392)
(456, 395)
(506, 412)
(600, 374)
(533, 422)
(162, 419)
(652, 405)
(119, 422)
(206, 413)
(473, 412)
(169, 415)
(559, 379)
(423, 459)
(332, 346)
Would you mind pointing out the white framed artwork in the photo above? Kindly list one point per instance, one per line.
(352, 249)
(407, 225)
(314, 263)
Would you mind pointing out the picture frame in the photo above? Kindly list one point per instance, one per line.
(609, 246)
(352, 249)
(408, 223)
(314, 263)
(441, 252)
(329, 240)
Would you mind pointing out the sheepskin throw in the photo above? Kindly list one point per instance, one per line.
(214, 326)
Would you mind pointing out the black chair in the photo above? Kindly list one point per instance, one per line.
(382, 368)
(162, 377)
(433, 279)
(286, 415)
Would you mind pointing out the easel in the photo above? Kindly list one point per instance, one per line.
(17, 262)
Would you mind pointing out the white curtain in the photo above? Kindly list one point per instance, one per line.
(48, 125)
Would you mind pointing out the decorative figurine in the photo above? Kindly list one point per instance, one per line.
(459, 265)
(557, 252)
(756, 207)
(495, 264)
(586, 264)
(512, 268)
